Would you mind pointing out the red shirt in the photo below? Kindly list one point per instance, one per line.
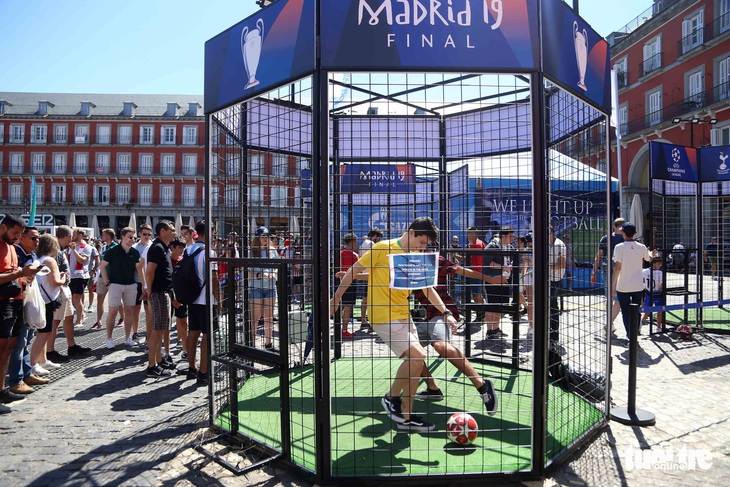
(477, 261)
(9, 262)
(347, 259)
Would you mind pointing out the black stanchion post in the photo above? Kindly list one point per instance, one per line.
(630, 415)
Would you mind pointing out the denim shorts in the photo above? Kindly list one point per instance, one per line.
(433, 330)
(261, 293)
(476, 286)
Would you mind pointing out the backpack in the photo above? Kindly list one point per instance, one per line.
(185, 282)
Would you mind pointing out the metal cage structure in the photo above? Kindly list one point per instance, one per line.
(326, 119)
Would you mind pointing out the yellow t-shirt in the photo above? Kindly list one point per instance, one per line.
(384, 304)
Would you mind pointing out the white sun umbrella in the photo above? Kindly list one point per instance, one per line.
(293, 225)
(636, 216)
(133, 221)
(95, 227)
(178, 223)
(72, 220)
(148, 221)
(191, 222)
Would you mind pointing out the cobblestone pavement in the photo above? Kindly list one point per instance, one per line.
(102, 422)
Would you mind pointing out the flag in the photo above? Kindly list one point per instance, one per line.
(31, 217)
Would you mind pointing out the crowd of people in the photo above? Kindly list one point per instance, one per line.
(129, 273)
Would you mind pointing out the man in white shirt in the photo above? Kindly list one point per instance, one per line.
(143, 246)
(79, 254)
(628, 276)
(557, 272)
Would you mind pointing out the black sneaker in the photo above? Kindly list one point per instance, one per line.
(77, 350)
(54, 356)
(135, 336)
(157, 372)
(416, 424)
(202, 379)
(166, 365)
(430, 395)
(168, 359)
(494, 334)
(7, 397)
(191, 374)
(489, 396)
(392, 408)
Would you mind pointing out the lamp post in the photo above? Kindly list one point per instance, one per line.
(695, 120)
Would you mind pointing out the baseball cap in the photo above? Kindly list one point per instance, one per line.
(262, 231)
(629, 229)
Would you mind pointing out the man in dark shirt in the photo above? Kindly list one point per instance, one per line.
(158, 291)
(602, 259)
(435, 331)
(711, 256)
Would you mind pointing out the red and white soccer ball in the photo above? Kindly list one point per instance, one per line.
(462, 428)
(684, 332)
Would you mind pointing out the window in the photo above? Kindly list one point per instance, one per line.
(124, 163)
(168, 164)
(101, 194)
(40, 194)
(190, 135)
(60, 134)
(1, 162)
(58, 193)
(231, 193)
(281, 166)
(39, 134)
(145, 194)
(167, 137)
(654, 102)
(128, 110)
(720, 136)
(692, 31)
(103, 134)
(257, 165)
(190, 164)
(623, 119)
(123, 194)
(59, 163)
(297, 196)
(16, 163)
(279, 196)
(145, 164)
(302, 165)
(17, 134)
(695, 89)
(38, 163)
(652, 56)
(15, 194)
(43, 107)
(254, 194)
(102, 163)
(2, 133)
(147, 134)
(233, 168)
(723, 78)
(80, 194)
(189, 194)
(724, 13)
(125, 134)
(214, 196)
(167, 195)
(81, 163)
(86, 107)
(81, 134)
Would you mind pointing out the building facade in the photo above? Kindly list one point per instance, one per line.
(673, 65)
(102, 155)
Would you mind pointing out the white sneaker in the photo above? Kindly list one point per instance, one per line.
(110, 343)
(48, 365)
(529, 333)
(129, 342)
(39, 371)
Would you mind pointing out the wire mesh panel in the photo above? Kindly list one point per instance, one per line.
(713, 257)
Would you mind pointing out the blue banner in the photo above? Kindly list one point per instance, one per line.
(673, 162)
(427, 33)
(274, 45)
(574, 55)
(714, 165)
(413, 271)
(377, 178)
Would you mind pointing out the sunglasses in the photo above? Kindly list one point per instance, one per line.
(146, 234)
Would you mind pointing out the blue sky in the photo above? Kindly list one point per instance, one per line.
(148, 46)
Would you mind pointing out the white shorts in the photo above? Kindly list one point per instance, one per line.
(66, 308)
(399, 335)
(122, 293)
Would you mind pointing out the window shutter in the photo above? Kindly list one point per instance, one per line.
(714, 136)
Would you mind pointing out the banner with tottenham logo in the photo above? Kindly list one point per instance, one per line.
(679, 163)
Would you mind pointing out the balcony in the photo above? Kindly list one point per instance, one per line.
(678, 109)
(651, 64)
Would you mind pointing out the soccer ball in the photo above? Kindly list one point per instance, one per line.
(684, 332)
(461, 428)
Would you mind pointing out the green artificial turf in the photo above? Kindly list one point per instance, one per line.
(713, 318)
(366, 442)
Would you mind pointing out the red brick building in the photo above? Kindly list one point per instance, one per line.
(673, 66)
(102, 155)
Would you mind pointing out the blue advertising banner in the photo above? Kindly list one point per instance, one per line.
(673, 162)
(574, 55)
(377, 178)
(714, 165)
(413, 271)
(429, 33)
(274, 45)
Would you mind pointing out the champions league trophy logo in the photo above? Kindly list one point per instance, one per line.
(251, 51)
(581, 53)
